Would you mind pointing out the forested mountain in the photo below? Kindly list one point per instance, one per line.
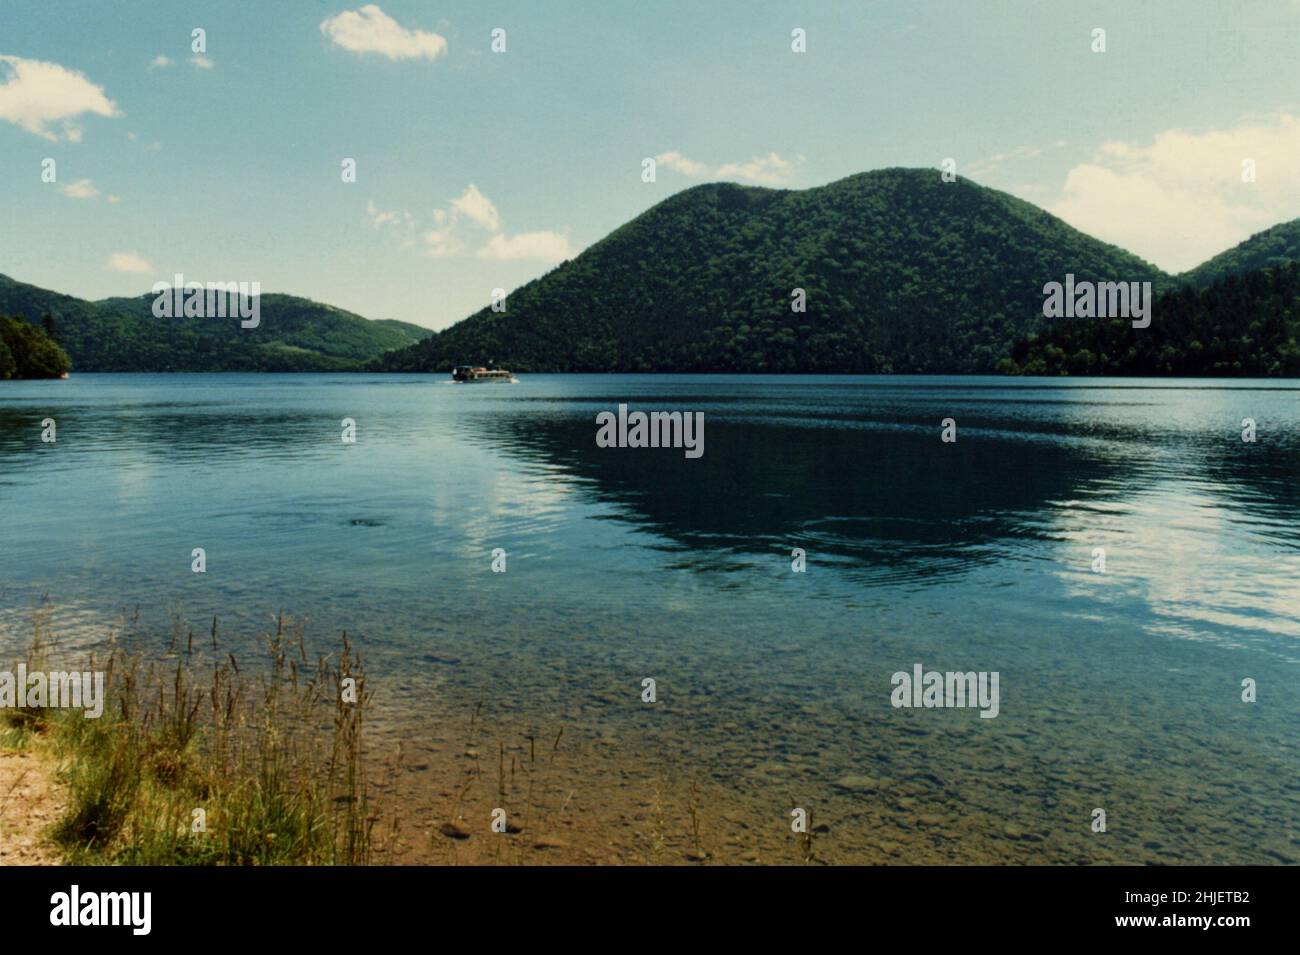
(122, 334)
(902, 272)
(1242, 325)
(1269, 249)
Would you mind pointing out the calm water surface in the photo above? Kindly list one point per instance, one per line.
(1118, 690)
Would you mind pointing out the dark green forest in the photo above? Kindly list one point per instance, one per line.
(1242, 325)
(1269, 249)
(122, 334)
(27, 351)
(902, 272)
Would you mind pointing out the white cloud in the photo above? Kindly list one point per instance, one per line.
(113, 200)
(679, 163)
(984, 167)
(441, 241)
(81, 189)
(535, 246)
(476, 206)
(202, 62)
(370, 30)
(397, 222)
(161, 62)
(445, 234)
(129, 262)
(1180, 199)
(770, 170)
(36, 93)
(380, 218)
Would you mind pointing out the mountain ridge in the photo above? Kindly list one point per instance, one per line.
(122, 334)
(1275, 246)
(902, 273)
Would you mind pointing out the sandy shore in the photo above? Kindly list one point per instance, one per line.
(30, 800)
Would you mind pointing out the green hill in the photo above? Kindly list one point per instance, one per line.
(902, 272)
(1241, 325)
(122, 334)
(1269, 249)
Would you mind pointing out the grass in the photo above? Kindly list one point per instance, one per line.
(202, 758)
(196, 761)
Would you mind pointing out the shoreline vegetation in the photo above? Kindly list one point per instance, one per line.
(201, 759)
(29, 351)
(285, 771)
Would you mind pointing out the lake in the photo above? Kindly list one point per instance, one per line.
(1119, 690)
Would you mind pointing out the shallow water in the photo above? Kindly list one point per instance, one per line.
(1119, 690)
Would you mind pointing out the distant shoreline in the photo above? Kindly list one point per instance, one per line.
(730, 374)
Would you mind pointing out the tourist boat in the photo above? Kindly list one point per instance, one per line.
(468, 374)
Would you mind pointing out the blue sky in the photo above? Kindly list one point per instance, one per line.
(478, 169)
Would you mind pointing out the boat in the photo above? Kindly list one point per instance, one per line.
(469, 374)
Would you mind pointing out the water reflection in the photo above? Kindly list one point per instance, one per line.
(881, 502)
